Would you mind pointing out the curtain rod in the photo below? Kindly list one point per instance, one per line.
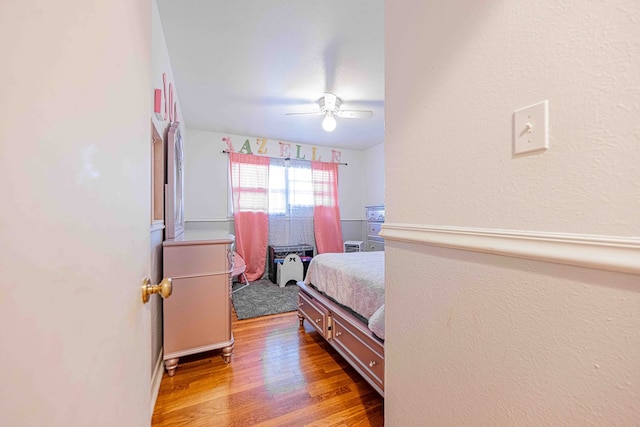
(288, 158)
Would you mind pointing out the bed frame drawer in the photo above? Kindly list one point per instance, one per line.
(315, 313)
(366, 353)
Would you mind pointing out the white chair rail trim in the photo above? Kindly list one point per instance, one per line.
(209, 219)
(157, 225)
(609, 253)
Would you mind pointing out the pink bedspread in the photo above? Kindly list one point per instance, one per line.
(355, 280)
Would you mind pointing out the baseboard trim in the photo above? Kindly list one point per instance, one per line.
(609, 253)
(156, 379)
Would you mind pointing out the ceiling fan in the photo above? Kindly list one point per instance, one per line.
(330, 109)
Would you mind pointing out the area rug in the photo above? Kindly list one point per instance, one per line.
(262, 298)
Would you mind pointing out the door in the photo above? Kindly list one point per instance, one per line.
(74, 223)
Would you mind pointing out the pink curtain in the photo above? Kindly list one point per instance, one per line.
(250, 190)
(326, 212)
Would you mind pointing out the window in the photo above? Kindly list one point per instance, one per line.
(249, 181)
(300, 198)
(290, 188)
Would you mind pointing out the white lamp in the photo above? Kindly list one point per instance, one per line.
(329, 123)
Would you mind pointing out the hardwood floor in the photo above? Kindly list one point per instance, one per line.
(279, 375)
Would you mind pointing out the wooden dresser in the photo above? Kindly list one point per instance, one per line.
(197, 316)
(375, 218)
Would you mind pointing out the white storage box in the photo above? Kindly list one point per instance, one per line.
(354, 246)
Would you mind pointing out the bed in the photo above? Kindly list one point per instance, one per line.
(342, 297)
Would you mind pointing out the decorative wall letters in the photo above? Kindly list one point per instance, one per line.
(246, 148)
(227, 140)
(262, 148)
(171, 118)
(262, 142)
(285, 149)
(157, 103)
(335, 156)
(164, 94)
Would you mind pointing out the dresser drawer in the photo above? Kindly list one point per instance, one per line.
(374, 228)
(375, 214)
(197, 315)
(315, 313)
(367, 354)
(374, 245)
(196, 259)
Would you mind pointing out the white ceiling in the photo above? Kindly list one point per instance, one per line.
(240, 65)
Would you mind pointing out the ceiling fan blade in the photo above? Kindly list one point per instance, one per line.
(355, 114)
(316, 113)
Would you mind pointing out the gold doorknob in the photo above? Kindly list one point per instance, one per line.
(163, 288)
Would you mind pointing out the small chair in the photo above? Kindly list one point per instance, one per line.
(290, 269)
(239, 268)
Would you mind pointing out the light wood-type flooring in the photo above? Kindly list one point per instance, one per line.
(279, 375)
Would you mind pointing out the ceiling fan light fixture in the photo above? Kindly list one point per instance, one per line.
(330, 102)
(329, 123)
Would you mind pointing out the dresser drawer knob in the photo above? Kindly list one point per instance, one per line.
(300, 304)
(372, 363)
(338, 333)
(318, 320)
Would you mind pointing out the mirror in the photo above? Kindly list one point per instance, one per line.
(174, 208)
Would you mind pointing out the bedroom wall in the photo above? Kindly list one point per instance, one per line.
(207, 202)
(160, 64)
(373, 174)
(513, 294)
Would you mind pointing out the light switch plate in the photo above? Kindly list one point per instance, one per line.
(531, 128)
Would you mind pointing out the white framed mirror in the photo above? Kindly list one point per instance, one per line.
(174, 208)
